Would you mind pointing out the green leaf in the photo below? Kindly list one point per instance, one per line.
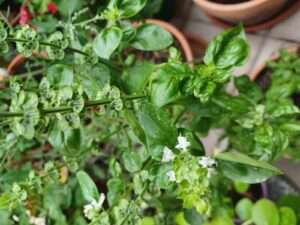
(159, 172)
(88, 187)
(135, 126)
(148, 221)
(229, 49)
(248, 88)
(287, 216)
(167, 84)
(284, 109)
(265, 212)
(241, 187)
(136, 77)
(129, 8)
(132, 161)
(60, 75)
(239, 167)
(152, 37)
(193, 217)
(107, 41)
(244, 209)
(67, 8)
(291, 201)
(6, 200)
(237, 157)
(157, 126)
(116, 188)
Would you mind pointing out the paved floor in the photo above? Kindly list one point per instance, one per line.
(263, 44)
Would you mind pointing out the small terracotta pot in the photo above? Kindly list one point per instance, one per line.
(249, 12)
(185, 46)
(261, 68)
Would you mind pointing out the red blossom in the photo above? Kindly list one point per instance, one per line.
(52, 8)
(25, 15)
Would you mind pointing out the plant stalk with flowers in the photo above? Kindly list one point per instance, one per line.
(88, 113)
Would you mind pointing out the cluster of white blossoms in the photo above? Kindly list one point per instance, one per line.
(208, 163)
(37, 220)
(92, 209)
(32, 219)
(183, 144)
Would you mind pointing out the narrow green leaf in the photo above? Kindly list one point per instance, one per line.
(237, 157)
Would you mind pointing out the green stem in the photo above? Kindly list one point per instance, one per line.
(88, 21)
(75, 50)
(11, 114)
(69, 108)
(23, 75)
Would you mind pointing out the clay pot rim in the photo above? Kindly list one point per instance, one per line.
(230, 7)
(258, 70)
(283, 14)
(180, 37)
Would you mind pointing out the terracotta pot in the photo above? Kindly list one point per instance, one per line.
(198, 44)
(261, 68)
(185, 46)
(249, 12)
(289, 10)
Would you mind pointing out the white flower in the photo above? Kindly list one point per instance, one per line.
(37, 220)
(210, 172)
(171, 175)
(207, 162)
(15, 218)
(168, 155)
(94, 207)
(183, 143)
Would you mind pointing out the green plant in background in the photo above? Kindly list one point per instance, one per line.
(262, 121)
(84, 102)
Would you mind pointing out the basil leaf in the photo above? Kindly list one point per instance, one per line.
(287, 216)
(88, 187)
(116, 188)
(132, 161)
(265, 212)
(136, 77)
(239, 167)
(60, 75)
(229, 49)
(157, 126)
(237, 157)
(129, 8)
(152, 37)
(248, 88)
(244, 209)
(107, 41)
(167, 85)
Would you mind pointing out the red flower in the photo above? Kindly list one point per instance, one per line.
(52, 8)
(25, 15)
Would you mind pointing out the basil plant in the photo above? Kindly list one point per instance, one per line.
(93, 131)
